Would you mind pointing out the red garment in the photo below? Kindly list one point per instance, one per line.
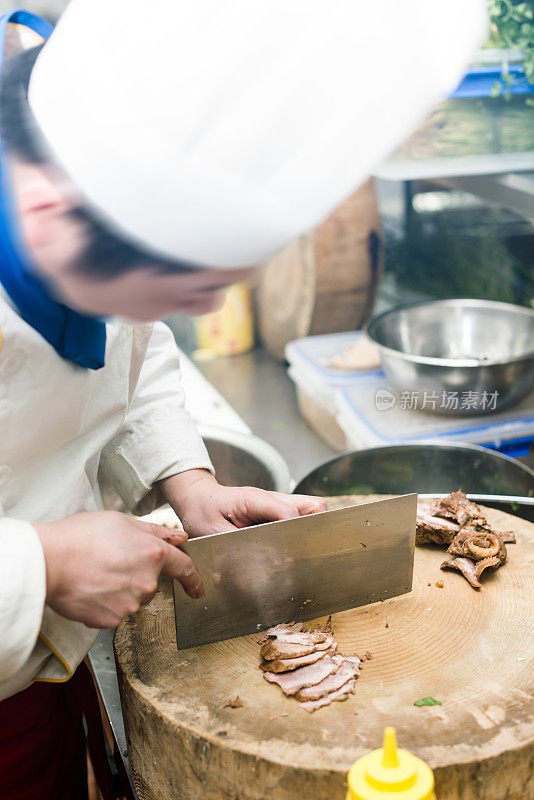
(42, 745)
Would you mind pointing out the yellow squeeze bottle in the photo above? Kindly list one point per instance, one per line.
(390, 773)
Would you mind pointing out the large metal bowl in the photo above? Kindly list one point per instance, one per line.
(424, 468)
(455, 347)
(245, 460)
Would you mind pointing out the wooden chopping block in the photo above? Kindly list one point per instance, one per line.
(326, 280)
(473, 651)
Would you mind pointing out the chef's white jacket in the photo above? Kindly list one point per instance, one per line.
(62, 427)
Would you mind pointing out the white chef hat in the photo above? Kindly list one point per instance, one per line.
(216, 131)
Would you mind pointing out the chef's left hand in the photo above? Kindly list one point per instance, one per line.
(204, 506)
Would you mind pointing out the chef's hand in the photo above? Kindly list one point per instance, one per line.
(204, 506)
(103, 565)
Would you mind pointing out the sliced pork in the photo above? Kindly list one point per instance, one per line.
(333, 697)
(295, 645)
(287, 664)
(346, 672)
(273, 632)
(292, 682)
(314, 678)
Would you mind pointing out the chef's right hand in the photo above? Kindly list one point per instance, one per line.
(103, 565)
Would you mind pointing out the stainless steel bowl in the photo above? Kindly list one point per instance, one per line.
(239, 460)
(245, 460)
(458, 346)
(424, 468)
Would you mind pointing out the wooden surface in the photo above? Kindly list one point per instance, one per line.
(471, 650)
(326, 280)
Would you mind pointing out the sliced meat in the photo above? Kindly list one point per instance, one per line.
(273, 649)
(479, 524)
(285, 645)
(434, 530)
(466, 567)
(278, 648)
(287, 664)
(292, 682)
(438, 519)
(458, 508)
(356, 660)
(327, 644)
(493, 562)
(295, 627)
(508, 537)
(333, 697)
(302, 637)
(478, 545)
(426, 507)
(332, 683)
(316, 678)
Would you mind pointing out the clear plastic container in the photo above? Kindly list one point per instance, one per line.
(317, 383)
(372, 414)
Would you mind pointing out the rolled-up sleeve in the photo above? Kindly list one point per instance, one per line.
(22, 593)
(158, 438)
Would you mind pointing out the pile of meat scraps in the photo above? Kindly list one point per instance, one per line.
(458, 523)
(305, 665)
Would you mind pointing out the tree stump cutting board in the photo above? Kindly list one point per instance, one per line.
(471, 650)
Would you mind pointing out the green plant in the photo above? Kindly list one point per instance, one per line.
(512, 26)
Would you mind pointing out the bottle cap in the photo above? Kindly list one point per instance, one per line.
(390, 772)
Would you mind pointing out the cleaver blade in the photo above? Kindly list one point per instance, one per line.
(297, 569)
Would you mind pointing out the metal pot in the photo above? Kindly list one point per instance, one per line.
(423, 468)
(245, 460)
(454, 347)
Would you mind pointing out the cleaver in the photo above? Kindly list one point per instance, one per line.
(297, 569)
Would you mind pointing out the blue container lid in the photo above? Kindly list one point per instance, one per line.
(480, 82)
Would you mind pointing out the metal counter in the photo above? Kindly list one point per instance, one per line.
(260, 391)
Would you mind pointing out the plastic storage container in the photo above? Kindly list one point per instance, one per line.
(317, 384)
(371, 414)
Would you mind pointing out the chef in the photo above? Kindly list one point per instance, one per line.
(151, 155)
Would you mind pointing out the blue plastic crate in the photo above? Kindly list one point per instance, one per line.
(479, 82)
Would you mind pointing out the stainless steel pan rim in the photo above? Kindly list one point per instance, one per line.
(476, 448)
(332, 476)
